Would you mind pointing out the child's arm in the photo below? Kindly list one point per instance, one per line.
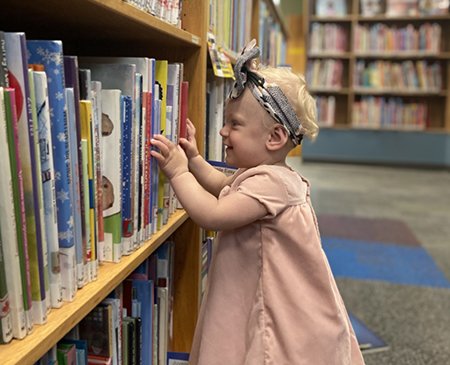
(209, 177)
(205, 209)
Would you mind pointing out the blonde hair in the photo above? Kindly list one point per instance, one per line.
(294, 87)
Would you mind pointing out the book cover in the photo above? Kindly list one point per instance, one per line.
(129, 340)
(98, 170)
(127, 174)
(142, 299)
(72, 85)
(16, 57)
(66, 354)
(97, 329)
(39, 311)
(177, 358)
(50, 54)
(6, 332)
(81, 349)
(123, 77)
(116, 329)
(143, 68)
(112, 169)
(79, 229)
(161, 73)
(19, 202)
(88, 178)
(48, 187)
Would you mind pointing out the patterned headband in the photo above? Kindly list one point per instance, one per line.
(270, 96)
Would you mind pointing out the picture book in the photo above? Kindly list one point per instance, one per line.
(88, 183)
(331, 7)
(79, 229)
(111, 127)
(72, 84)
(368, 341)
(19, 202)
(17, 63)
(40, 290)
(97, 329)
(66, 354)
(8, 231)
(98, 170)
(50, 54)
(161, 72)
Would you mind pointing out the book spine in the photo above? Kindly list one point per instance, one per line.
(127, 198)
(75, 164)
(48, 187)
(111, 179)
(137, 161)
(85, 116)
(9, 233)
(98, 170)
(40, 310)
(50, 54)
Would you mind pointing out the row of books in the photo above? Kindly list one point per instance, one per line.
(406, 75)
(169, 11)
(381, 37)
(328, 37)
(326, 109)
(331, 8)
(271, 39)
(230, 21)
(217, 92)
(416, 7)
(324, 73)
(389, 113)
(78, 186)
(132, 326)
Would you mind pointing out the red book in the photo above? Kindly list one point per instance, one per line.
(183, 109)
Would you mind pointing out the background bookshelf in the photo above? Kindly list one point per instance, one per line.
(115, 28)
(381, 75)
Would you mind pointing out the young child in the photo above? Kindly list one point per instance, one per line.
(271, 297)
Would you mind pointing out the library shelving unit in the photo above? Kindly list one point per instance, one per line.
(374, 68)
(115, 28)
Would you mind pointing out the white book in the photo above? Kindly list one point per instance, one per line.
(163, 320)
(112, 179)
(9, 235)
(48, 187)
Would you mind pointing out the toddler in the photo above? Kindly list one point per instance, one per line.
(271, 296)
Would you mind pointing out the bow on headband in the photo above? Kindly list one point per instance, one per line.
(271, 97)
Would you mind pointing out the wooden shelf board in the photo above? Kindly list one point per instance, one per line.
(397, 92)
(100, 22)
(28, 350)
(403, 18)
(332, 19)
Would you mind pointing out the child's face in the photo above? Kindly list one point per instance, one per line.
(244, 132)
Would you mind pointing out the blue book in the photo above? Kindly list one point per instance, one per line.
(368, 341)
(50, 54)
(142, 307)
(127, 196)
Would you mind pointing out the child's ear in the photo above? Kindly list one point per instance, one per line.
(277, 139)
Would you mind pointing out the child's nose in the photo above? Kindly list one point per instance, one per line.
(224, 131)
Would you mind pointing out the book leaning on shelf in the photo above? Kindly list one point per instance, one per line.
(50, 54)
(9, 236)
(48, 186)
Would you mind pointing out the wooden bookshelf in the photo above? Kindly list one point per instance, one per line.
(437, 102)
(115, 28)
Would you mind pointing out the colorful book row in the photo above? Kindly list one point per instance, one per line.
(78, 185)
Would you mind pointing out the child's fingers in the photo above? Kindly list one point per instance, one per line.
(164, 148)
(159, 158)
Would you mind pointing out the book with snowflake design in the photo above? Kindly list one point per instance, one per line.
(49, 53)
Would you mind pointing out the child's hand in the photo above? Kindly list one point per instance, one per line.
(171, 158)
(189, 144)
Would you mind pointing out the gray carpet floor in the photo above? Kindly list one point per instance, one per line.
(413, 320)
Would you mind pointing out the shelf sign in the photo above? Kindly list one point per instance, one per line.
(220, 61)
